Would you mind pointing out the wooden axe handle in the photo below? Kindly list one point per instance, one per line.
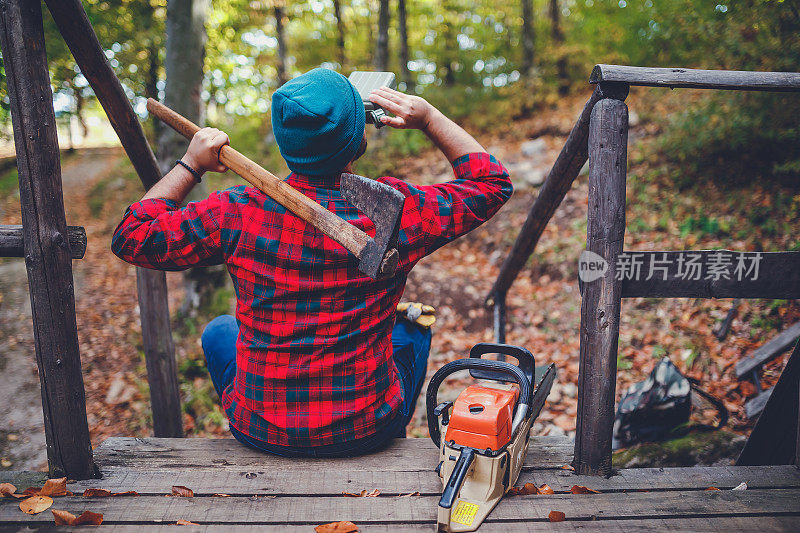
(331, 225)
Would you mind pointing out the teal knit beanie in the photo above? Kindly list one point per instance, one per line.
(318, 122)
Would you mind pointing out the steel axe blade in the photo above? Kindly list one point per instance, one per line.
(384, 206)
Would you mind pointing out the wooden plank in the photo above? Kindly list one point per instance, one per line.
(755, 406)
(601, 302)
(403, 455)
(559, 180)
(773, 440)
(708, 274)
(722, 524)
(12, 241)
(697, 79)
(768, 351)
(47, 252)
(418, 509)
(81, 39)
(332, 482)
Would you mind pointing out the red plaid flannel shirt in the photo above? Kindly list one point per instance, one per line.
(314, 355)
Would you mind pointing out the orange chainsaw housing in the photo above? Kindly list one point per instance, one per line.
(482, 417)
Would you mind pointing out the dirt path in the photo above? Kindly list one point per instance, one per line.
(22, 441)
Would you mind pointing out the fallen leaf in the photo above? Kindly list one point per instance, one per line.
(186, 523)
(362, 494)
(568, 467)
(96, 493)
(740, 486)
(35, 504)
(556, 516)
(88, 518)
(712, 488)
(747, 389)
(337, 527)
(7, 489)
(528, 488)
(410, 494)
(221, 495)
(31, 491)
(580, 489)
(54, 487)
(126, 493)
(184, 492)
(63, 518)
(545, 489)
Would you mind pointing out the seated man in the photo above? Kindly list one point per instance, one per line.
(311, 365)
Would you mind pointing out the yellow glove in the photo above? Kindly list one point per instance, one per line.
(417, 313)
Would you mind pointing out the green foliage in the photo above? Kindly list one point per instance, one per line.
(9, 181)
(737, 137)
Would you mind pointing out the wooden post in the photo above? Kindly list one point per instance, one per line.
(79, 35)
(499, 319)
(160, 359)
(47, 251)
(600, 307)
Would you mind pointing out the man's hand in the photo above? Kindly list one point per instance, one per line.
(411, 112)
(202, 155)
(203, 152)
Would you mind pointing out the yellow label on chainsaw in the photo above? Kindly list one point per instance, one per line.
(464, 513)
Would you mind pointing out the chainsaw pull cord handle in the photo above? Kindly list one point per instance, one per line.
(512, 371)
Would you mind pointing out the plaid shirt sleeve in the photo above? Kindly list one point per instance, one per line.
(155, 233)
(436, 214)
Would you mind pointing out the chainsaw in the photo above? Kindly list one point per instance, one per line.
(487, 430)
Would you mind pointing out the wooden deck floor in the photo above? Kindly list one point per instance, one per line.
(269, 493)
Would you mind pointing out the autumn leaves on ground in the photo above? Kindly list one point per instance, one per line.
(543, 305)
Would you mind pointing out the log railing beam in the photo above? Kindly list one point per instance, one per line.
(736, 80)
(12, 241)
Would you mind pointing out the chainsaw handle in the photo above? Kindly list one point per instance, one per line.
(526, 360)
(457, 477)
(512, 371)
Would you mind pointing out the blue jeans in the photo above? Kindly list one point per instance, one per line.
(410, 347)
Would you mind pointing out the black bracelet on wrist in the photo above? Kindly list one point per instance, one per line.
(197, 176)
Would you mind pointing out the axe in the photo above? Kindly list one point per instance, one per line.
(377, 255)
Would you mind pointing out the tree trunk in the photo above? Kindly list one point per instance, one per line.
(337, 12)
(558, 40)
(279, 35)
(404, 56)
(527, 38)
(449, 42)
(382, 46)
(185, 55)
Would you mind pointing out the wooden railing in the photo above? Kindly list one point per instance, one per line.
(600, 135)
(48, 245)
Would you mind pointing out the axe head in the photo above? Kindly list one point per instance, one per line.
(384, 206)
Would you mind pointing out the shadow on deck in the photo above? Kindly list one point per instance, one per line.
(271, 493)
